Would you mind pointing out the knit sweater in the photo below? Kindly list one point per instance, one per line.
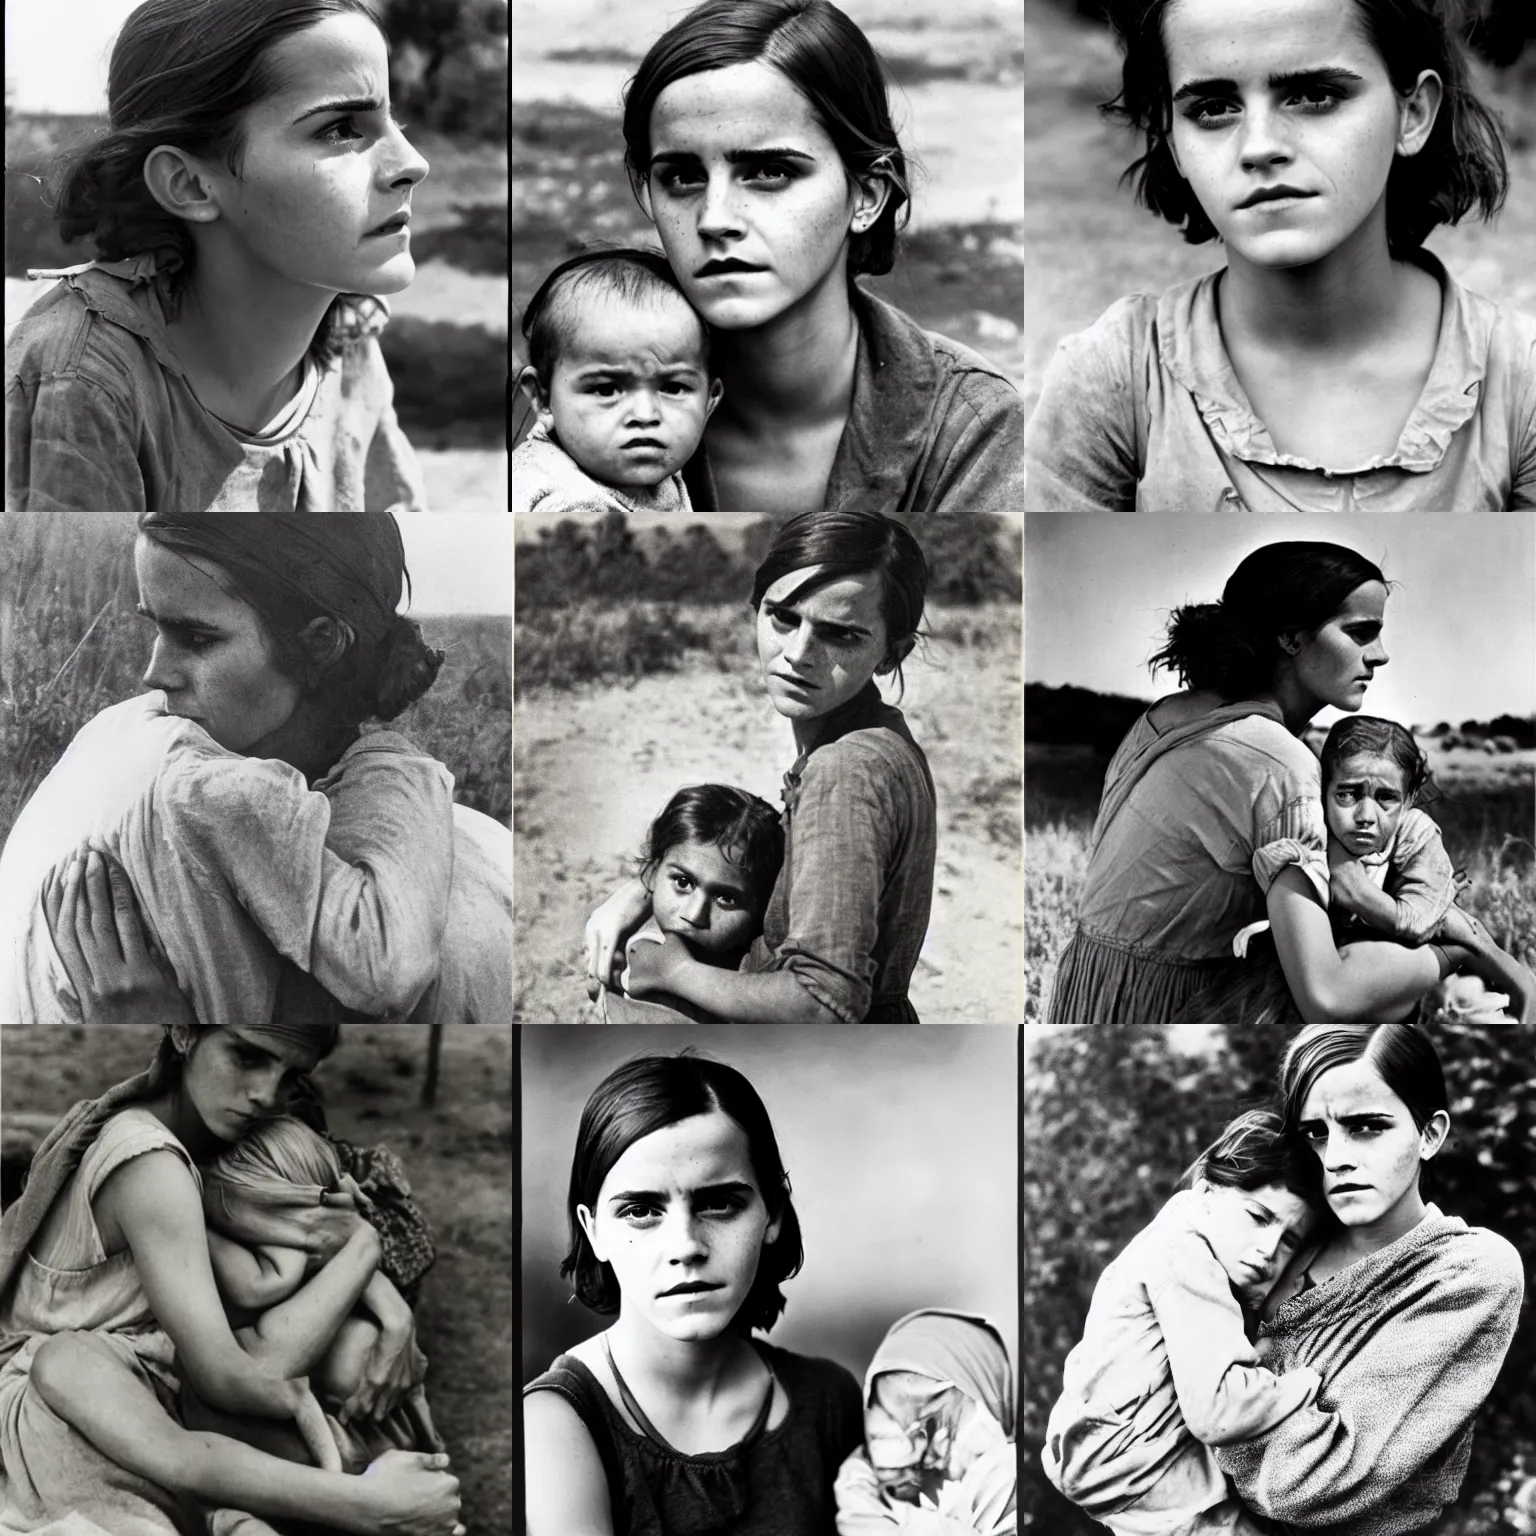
(1408, 1342)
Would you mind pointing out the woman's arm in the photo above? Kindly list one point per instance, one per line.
(610, 927)
(567, 1489)
(767, 997)
(255, 1278)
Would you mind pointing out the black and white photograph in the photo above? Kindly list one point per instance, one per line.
(768, 774)
(1279, 1279)
(770, 1281)
(256, 1280)
(1280, 770)
(256, 256)
(767, 256)
(255, 767)
(1280, 255)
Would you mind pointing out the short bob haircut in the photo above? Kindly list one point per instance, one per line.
(183, 72)
(1461, 167)
(1402, 1055)
(646, 1095)
(745, 828)
(1233, 647)
(1385, 738)
(825, 57)
(1254, 1151)
(852, 544)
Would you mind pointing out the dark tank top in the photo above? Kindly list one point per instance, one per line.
(774, 1482)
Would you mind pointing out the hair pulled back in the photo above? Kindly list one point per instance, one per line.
(1401, 1055)
(644, 1096)
(1461, 166)
(183, 73)
(746, 828)
(1356, 734)
(1255, 1151)
(1233, 647)
(825, 57)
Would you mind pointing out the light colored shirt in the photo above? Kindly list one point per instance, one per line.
(545, 478)
(1142, 412)
(100, 417)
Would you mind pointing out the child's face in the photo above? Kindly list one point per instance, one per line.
(705, 899)
(1272, 94)
(1253, 1233)
(629, 394)
(1364, 801)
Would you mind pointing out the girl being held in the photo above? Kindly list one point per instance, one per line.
(1166, 1369)
(1333, 363)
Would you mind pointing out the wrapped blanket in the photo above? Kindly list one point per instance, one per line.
(1408, 1342)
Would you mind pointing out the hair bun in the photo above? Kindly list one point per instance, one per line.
(408, 667)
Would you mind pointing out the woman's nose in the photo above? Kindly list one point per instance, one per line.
(797, 646)
(413, 165)
(1377, 656)
(718, 215)
(265, 1089)
(160, 673)
(683, 1237)
(1261, 144)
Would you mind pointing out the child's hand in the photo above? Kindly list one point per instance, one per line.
(656, 967)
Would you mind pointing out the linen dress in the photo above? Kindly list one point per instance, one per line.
(67, 1282)
(1195, 824)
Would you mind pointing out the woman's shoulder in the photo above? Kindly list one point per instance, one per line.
(813, 1381)
(130, 1133)
(87, 327)
(1481, 1252)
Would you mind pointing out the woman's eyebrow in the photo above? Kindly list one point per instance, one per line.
(842, 624)
(361, 105)
(1328, 74)
(173, 621)
(735, 156)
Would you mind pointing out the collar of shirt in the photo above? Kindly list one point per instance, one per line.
(1191, 348)
(864, 708)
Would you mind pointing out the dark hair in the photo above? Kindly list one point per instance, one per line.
(1232, 647)
(1402, 1055)
(644, 1096)
(1386, 738)
(625, 272)
(744, 827)
(182, 73)
(852, 544)
(824, 56)
(1460, 167)
(1255, 1150)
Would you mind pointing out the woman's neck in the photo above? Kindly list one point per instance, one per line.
(795, 371)
(173, 1109)
(310, 745)
(680, 1371)
(1352, 1243)
(1295, 704)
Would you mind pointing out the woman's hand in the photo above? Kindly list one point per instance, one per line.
(100, 938)
(412, 1493)
(657, 967)
(1350, 889)
(321, 1231)
(1495, 966)
(395, 1367)
(609, 928)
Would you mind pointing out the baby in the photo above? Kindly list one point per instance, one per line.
(710, 862)
(1165, 1369)
(939, 1457)
(618, 371)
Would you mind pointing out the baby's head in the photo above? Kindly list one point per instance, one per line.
(1259, 1201)
(710, 862)
(618, 367)
(262, 1169)
(1372, 772)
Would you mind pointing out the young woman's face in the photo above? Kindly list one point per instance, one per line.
(682, 1221)
(324, 164)
(1282, 95)
(818, 651)
(748, 194)
(701, 896)
(1365, 799)
(236, 1077)
(211, 654)
(1335, 663)
(1253, 1232)
(1370, 1149)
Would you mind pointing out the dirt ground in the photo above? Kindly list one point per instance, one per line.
(593, 768)
(458, 1156)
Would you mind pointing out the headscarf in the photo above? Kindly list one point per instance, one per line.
(960, 1347)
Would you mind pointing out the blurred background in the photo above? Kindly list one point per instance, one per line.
(446, 344)
(901, 1145)
(955, 73)
(1089, 243)
(1113, 1115)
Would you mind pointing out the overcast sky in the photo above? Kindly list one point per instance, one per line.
(1461, 621)
(460, 562)
(56, 52)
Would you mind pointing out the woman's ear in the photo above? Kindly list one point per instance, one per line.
(872, 192)
(588, 1224)
(1432, 1137)
(180, 184)
(772, 1230)
(183, 1038)
(897, 654)
(1289, 642)
(1417, 112)
(326, 640)
(641, 187)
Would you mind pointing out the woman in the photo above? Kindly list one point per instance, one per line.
(675, 1419)
(113, 1336)
(1404, 1312)
(273, 850)
(1212, 812)
(839, 600)
(248, 202)
(758, 140)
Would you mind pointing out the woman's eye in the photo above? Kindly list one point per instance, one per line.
(721, 1207)
(334, 134)
(677, 179)
(1211, 113)
(1315, 98)
(771, 171)
(637, 1213)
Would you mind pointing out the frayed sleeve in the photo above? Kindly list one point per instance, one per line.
(71, 447)
(1296, 836)
(1420, 879)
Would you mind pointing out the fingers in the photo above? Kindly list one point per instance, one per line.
(125, 913)
(98, 906)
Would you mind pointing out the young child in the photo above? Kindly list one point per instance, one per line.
(1332, 363)
(710, 862)
(618, 371)
(1165, 1369)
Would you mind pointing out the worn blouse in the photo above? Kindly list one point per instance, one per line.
(850, 908)
(99, 416)
(1142, 412)
(1196, 823)
(546, 479)
(776, 1482)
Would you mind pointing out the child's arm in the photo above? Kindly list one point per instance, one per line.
(1421, 880)
(256, 1277)
(1352, 891)
(765, 997)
